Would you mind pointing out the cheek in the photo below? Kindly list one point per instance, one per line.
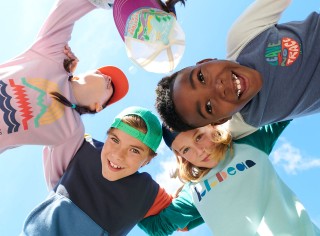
(108, 94)
(191, 156)
(107, 149)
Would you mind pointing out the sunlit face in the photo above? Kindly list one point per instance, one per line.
(98, 86)
(211, 92)
(122, 155)
(195, 146)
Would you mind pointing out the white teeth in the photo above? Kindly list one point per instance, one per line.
(237, 83)
(114, 165)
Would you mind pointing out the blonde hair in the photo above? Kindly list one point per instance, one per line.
(188, 172)
(138, 123)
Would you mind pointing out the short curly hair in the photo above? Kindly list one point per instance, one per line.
(165, 106)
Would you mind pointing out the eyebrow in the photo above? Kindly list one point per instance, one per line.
(198, 108)
(191, 80)
(181, 149)
(138, 147)
(196, 133)
(133, 146)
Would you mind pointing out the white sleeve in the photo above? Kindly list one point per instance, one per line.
(259, 16)
(238, 127)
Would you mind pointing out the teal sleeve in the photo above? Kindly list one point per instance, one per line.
(180, 214)
(265, 137)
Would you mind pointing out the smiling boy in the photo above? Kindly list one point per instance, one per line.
(92, 196)
(273, 75)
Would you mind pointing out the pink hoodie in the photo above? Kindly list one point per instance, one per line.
(30, 115)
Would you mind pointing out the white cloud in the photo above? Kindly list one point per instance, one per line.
(163, 178)
(291, 159)
(133, 70)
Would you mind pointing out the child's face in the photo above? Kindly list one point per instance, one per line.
(211, 92)
(122, 155)
(98, 86)
(195, 145)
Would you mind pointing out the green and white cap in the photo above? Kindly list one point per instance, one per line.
(154, 133)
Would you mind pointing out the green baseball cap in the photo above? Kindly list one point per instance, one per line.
(154, 134)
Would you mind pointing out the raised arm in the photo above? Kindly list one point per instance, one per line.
(259, 16)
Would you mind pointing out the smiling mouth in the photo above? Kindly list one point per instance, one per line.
(237, 85)
(114, 166)
(207, 158)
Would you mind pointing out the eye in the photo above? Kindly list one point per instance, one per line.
(201, 78)
(115, 140)
(198, 138)
(209, 107)
(184, 151)
(135, 151)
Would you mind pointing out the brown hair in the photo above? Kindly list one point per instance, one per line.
(168, 5)
(188, 172)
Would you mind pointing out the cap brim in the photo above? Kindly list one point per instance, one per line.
(123, 8)
(119, 81)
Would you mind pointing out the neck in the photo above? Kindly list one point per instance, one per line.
(77, 92)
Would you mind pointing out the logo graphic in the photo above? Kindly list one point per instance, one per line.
(202, 189)
(283, 53)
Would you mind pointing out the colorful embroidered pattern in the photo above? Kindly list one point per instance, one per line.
(22, 99)
(8, 110)
(18, 92)
(283, 53)
(149, 25)
(55, 110)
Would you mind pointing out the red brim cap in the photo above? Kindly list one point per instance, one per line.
(123, 8)
(119, 81)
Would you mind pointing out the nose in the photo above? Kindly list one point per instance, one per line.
(119, 154)
(220, 87)
(201, 151)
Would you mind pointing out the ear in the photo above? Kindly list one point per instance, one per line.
(98, 107)
(206, 60)
(220, 122)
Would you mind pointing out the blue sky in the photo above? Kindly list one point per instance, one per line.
(96, 42)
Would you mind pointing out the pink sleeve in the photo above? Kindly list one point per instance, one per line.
(57, 158)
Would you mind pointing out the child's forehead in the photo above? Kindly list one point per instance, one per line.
(127, 139)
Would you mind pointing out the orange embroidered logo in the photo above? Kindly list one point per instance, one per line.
(283, 53)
